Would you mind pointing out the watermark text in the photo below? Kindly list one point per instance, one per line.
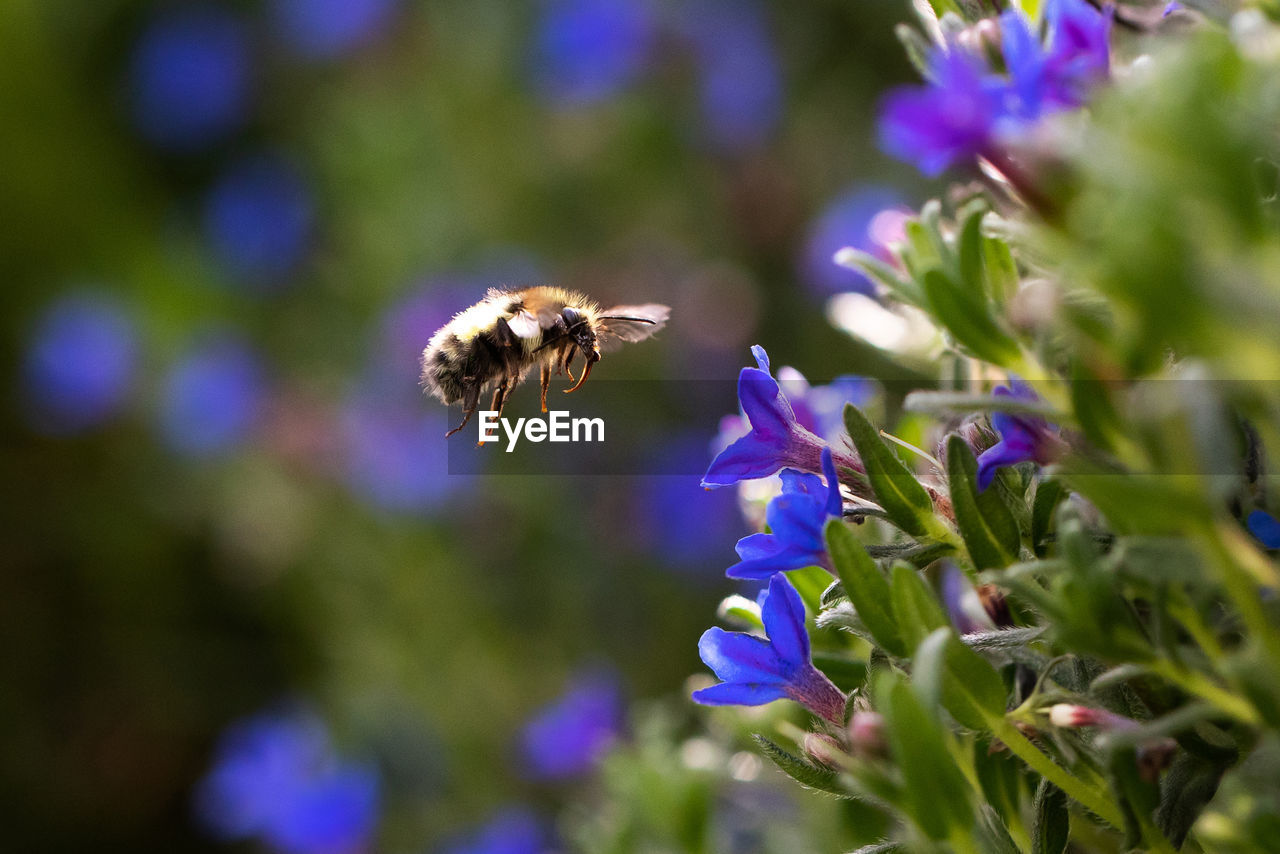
(558, 426)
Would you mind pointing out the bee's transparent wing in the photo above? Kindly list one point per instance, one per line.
(625, 323)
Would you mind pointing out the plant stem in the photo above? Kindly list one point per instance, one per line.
(1076, 789)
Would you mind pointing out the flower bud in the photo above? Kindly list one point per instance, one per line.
(866, 734)
(823, 749)
(1071, 716)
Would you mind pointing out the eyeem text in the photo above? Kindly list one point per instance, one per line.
(556, 427)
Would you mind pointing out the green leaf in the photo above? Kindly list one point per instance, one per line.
(805, 773)
(988, 529)
(916, 46)
(1051, 824)
(967, 317)
(865, 585)
(938, 797)
(885, 274)
(992, 834)
(1049, 493)
(972, 257)
(915, 608)
(906, 502)
(941, 402)
(1002, 270)
(960, 680)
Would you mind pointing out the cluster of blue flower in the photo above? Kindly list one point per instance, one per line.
(967, 110)
(755, 670)
(276, 777)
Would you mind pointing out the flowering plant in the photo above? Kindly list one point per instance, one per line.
(1057, 627)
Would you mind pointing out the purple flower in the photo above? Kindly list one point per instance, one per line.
(846, 221)
(190, 78)
(80, 364)
(276, 777)
(1079, 49)
(796, 521)
(258, 218)
(776, 440)
(739, 80)
(964, 605)
(568, 737)
(1265, 527)
(949, 121)
(758, 670)
(1023, 438)
(1028, 66)
(515, 830)
(585, 51)
(212, 397)
(1171, 7)
(323, 29)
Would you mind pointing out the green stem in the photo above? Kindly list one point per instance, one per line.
(1198, 685)
(1095, 801)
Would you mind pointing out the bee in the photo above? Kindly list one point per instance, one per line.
(501, 338)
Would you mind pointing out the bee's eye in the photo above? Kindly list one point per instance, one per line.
(571, 317)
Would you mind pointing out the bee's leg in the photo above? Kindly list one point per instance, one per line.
(470, 403)
(568, 360)
(546, 381)
(586, 369)
(499, 396)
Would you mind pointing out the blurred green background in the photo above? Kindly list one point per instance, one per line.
(230, 228)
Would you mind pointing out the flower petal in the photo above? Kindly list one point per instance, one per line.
(740, 657)
(748, 458)
(835, 504)
(1265, 527)
(783, 616)
(766, 566)
(741, 694)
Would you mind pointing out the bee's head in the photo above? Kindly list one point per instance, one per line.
(578, 329)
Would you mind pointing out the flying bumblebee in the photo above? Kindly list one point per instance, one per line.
(499, 340)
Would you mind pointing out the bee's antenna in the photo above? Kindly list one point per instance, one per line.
(647, 320)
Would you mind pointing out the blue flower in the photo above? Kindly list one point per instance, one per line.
(776, 439)
(212, 397)
(190, 78)
(258, 219)
(275, 777)
(758, 670)
(81, 362)
(1265, 527)
(845, 222)
(586, 51)
(323, 29)
(739, 80)
(796, 521)
(568, 737)
(949, 121)
(963, 603)
(515, 830)
(1079, 52)
(1023, 438)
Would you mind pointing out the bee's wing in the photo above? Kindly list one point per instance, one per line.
(630, 323)
(525, 324)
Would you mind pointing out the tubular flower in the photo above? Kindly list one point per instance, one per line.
(796, 520)
(757, 670)
(1023, 438)
(776, 440)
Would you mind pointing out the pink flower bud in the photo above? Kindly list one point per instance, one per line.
(866, 734)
